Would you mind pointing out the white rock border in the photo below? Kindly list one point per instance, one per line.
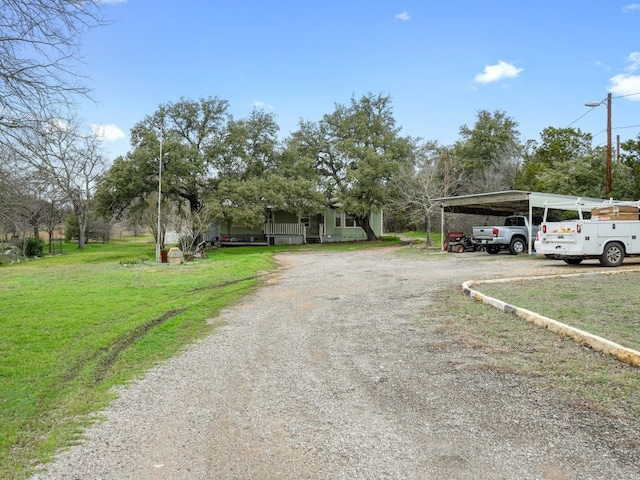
(624, 354)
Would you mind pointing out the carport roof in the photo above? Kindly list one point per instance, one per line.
(513, 201)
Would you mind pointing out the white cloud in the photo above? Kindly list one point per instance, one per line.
(623, 84)
(627, 84)
(634, 61)
(259, 104)
(108, 132)
(404, 16)
(495, 73)
(630, 7)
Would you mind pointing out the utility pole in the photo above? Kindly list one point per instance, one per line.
(609, 147)
(607, 188)
(158, 236)
(447, 167)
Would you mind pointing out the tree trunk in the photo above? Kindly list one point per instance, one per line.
(82, 228)
(363, 222)
(82, 220)
(50, 233)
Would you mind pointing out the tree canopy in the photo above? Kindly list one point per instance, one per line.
(565, 162)
(354, 159)
(232, 169)
(356, 151)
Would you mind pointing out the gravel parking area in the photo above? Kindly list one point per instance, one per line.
(323, 373)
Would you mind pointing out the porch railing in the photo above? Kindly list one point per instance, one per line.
(284, 229)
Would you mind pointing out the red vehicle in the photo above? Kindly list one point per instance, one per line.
(458, 242)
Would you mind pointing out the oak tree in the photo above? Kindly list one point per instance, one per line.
(355, 150)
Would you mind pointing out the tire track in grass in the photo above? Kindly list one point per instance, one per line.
(106, 356)
(127, 339)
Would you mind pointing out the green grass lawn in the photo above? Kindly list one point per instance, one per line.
(75, 325)
(606, 305)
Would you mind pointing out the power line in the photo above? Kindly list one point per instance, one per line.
(627, 95)
(615, 128)
(591, 109)
(583, 115)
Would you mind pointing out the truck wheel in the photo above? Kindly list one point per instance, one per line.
(493, 249)
(516, 246)
(612, 256)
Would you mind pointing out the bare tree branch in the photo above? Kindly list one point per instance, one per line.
(39, 52)
(67, 160)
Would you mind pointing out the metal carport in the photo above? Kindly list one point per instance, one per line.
(511, 202)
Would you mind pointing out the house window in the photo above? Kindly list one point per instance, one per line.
(305, 220)
(345, 220)
(349, 220)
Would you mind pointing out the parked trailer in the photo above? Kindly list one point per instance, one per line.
(611, 234)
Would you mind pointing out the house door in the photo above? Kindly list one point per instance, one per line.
(314, 225)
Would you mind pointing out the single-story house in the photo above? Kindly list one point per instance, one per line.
(285, 228)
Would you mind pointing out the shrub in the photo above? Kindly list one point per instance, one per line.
(31, 247)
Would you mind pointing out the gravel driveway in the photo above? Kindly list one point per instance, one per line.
(324, 374)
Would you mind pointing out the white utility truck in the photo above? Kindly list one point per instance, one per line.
(612, 233)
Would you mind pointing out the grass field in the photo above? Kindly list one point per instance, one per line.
(75, 325)
(606, 305)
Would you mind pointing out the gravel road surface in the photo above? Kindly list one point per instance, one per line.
(323, 373)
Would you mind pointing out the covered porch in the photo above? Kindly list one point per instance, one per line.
(309, 229)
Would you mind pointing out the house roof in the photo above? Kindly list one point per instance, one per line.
(513, 201)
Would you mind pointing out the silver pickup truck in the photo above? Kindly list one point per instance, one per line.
(513, 235)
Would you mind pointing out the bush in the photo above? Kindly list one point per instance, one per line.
(31, 247)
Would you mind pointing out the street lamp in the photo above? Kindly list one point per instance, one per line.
(158, 246)
(608, 162)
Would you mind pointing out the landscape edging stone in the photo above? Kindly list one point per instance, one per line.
(624, 354)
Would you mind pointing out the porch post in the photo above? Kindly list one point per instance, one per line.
(269, 214)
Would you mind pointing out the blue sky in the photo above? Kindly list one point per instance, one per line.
(441, 61)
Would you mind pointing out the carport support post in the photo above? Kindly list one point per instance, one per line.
(530, 224)
(442, 226)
